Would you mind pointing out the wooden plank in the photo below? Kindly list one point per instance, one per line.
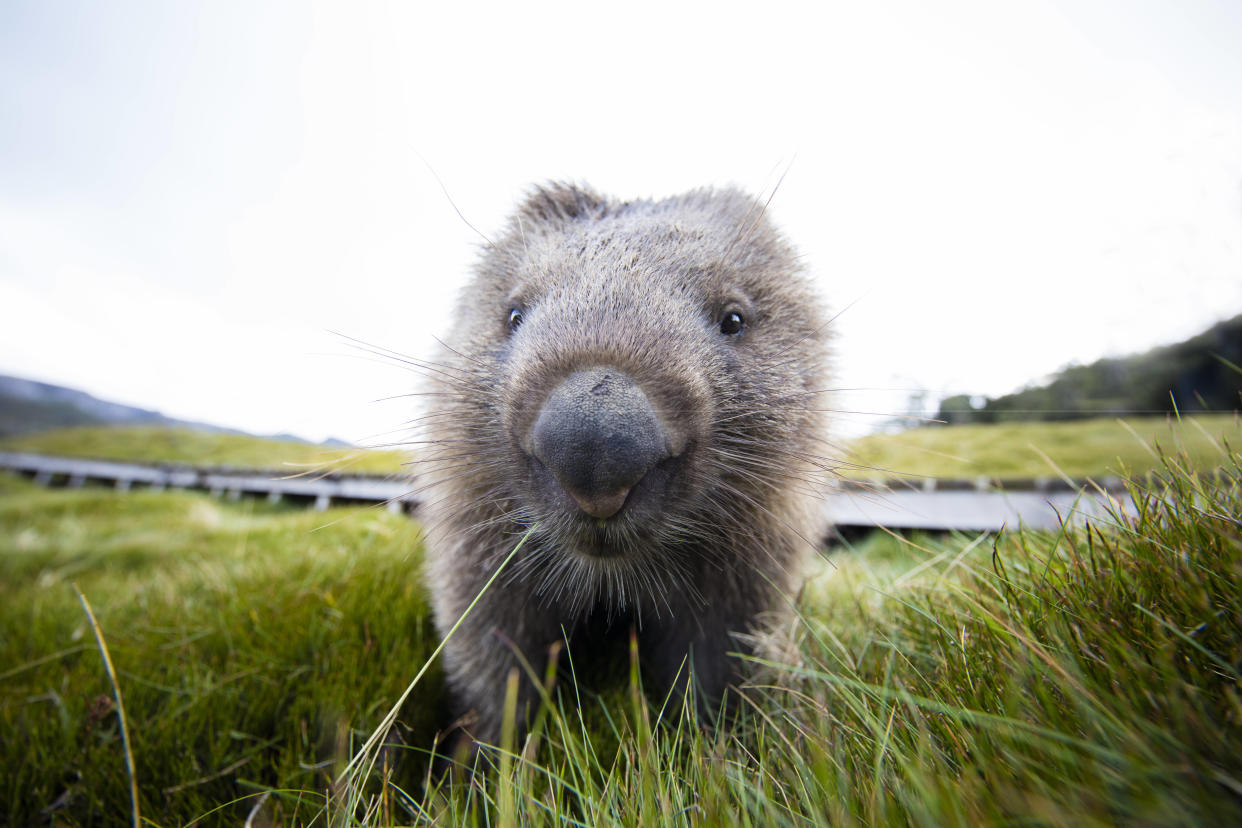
(972, 511)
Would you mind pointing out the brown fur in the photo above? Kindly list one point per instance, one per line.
(706, 544)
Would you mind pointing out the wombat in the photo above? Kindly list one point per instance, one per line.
(632, 387)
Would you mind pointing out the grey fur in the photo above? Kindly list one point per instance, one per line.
(710, 541)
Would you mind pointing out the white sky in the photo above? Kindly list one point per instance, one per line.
(193, 195)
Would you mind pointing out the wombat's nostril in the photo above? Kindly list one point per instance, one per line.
(598, 435)
(603, 506)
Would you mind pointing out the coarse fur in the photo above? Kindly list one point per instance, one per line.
(709, 543)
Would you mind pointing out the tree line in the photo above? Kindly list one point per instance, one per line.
(1201, 374)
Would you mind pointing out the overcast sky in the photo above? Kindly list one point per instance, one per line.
(192, 196)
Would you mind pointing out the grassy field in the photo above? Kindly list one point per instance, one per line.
(1085, 678)
(153, 444)
(1084, 448)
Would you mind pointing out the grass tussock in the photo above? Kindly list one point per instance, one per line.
(250, 643)
(1086, 677)
(1073, 679)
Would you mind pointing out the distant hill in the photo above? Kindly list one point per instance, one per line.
(1204, 373)
(184, 446)
(28, 406)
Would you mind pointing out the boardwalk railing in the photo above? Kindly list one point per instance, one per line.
(322, 489)
(936, 505)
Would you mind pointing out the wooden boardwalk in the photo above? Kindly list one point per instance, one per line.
(934, 505)
(980, 510)
(319, 489)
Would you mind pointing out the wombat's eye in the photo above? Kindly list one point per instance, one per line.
(731, 323)
(515, 318)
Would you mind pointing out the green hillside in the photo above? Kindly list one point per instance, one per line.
(156, 444)
(1083, 448)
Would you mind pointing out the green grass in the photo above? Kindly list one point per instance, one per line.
(1082, 678)
(180, 445)
(1083, 448)
(247, 640)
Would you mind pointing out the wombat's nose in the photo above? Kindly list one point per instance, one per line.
(598, 435)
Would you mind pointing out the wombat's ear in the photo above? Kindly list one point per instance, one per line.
(559, 203)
